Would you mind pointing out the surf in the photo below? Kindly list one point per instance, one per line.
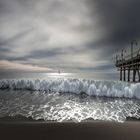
(76, 86)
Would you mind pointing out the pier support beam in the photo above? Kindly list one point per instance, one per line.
(128, 75)
(124, 74)
(134, 75)
(138, 75)
(120, 74)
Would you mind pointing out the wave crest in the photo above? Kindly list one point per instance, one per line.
(77, 86)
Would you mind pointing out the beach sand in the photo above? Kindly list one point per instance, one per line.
(88, 130)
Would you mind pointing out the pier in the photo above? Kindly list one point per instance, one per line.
(129, 66)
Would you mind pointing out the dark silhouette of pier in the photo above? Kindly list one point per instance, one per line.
(129, 65)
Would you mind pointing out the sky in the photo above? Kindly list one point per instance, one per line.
(70, 35)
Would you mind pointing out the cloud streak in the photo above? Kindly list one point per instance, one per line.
(12, 66)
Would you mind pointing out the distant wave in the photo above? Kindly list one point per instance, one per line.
(77, 86)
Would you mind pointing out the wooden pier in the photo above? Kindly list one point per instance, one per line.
(129, 65)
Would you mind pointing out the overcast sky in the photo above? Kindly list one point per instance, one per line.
(71, 35)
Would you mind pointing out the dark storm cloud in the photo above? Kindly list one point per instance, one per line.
(119, 20)
(53, 52)
(39, 54)
(102, 67)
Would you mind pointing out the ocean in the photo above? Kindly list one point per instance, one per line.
(68, 97)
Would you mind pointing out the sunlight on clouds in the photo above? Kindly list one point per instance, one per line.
(7, 65)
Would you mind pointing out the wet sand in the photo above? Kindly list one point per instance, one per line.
(88, 130)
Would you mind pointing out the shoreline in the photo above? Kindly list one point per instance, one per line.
(20, 118)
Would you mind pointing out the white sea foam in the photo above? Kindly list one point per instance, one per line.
(77, 86)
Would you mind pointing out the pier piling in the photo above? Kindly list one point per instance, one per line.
(124, 74)
(128, 75)
(134, 75)
(121, 74)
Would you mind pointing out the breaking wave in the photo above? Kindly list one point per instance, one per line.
(77, 86)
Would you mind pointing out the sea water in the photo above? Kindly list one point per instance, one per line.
(67, 96)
